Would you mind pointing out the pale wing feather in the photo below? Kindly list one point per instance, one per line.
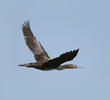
(33, 44)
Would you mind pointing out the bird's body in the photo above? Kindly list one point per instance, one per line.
(39, 66)
(44, 62)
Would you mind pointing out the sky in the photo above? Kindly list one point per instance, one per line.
(61, 26)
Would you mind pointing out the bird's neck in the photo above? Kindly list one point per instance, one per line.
(67, 66)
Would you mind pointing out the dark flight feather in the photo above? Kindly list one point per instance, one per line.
(62, 58)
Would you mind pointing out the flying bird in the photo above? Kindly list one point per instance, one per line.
(43, 61)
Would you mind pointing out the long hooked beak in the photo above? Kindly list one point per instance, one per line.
(80, 67)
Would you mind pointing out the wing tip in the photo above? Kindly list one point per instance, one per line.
(26, 28)
(75, 52)
(26, 24)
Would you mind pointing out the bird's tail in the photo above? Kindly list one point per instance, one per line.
(28, 65)
(35, 64)
(24, 65)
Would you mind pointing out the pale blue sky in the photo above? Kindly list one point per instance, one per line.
(60, 25)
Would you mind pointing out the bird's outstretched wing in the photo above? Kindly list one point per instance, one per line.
(62, 58)
(33, 44)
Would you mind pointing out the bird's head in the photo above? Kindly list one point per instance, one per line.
(75, 66)
(68, 66)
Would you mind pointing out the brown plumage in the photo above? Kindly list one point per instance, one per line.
(44, 62)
